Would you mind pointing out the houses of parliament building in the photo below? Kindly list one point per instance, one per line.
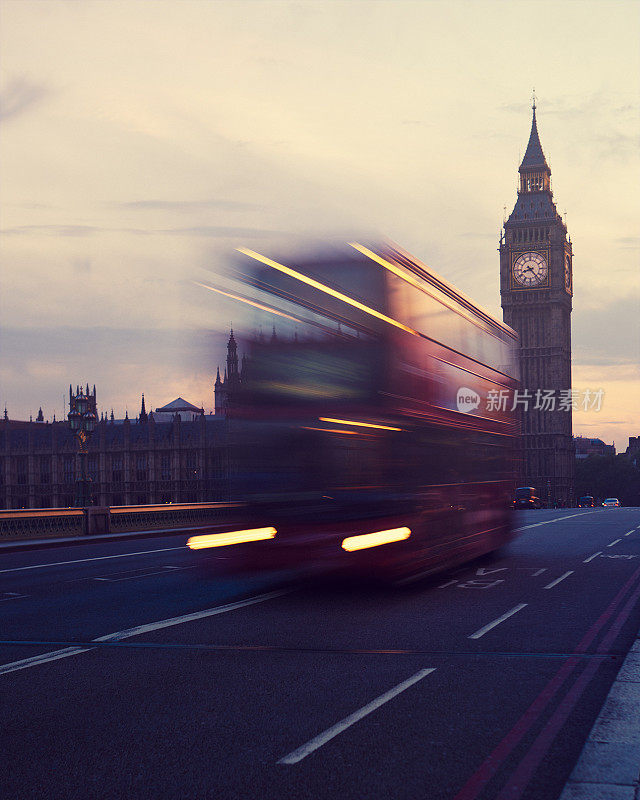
(175, 454)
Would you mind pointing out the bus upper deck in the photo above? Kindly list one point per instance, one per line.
(378, 310)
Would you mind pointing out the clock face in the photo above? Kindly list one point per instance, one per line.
(530, 269)
(567, 272)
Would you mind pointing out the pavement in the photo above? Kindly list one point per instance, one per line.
(609, 765)
(135, 669)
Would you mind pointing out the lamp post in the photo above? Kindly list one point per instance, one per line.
(82, 420)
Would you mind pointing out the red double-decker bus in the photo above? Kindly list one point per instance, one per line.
(372, 433)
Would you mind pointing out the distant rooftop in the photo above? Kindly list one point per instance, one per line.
(177, 405)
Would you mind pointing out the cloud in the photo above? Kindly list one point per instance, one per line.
(516, 108)
(19, 95)
(477, 235)
(609, 336)
(216, 231)
(52, 230)
(599, 424)
(571, 106)
(190, 205)
(30, 206)
(219, 231)
(628, 242)
(267, 61)
(617, 145)
(82, 265)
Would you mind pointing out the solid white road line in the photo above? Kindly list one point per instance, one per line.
(557, 580)
(493, 624)
(330, 733)
(615, 541)
(96, 558)
(34, 661)
(25, 663)
(208, 612)
(595, 555)
(549, 521)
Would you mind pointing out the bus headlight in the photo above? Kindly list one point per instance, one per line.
(366, 540)
(232, 537)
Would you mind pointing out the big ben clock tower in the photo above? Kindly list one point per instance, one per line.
(536, 287)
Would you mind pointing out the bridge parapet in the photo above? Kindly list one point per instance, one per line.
(36, 523)
(59, 522)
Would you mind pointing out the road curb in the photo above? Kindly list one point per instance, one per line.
(609, 765)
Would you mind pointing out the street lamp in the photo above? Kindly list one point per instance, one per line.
(82, 420)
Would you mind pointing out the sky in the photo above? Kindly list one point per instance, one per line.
(141, 142)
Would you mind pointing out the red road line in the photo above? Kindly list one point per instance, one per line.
(520, 778)
(496, 758)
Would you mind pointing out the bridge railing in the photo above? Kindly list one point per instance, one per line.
(168, 515)
(37, 523)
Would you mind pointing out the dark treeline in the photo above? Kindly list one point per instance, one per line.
(609, 476)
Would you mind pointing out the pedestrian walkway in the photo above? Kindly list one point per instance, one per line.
(609, 765)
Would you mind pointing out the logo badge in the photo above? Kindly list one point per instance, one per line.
(467, 400)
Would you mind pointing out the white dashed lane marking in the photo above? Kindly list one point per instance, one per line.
(557, 580)
(347, 722)
(496, 622)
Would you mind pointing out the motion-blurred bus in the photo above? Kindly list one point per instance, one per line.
(372, 431)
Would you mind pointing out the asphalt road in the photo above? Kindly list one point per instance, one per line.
(128, 671)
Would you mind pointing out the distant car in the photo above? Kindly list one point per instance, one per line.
(611, 501)
(586, 502)
(527, 497)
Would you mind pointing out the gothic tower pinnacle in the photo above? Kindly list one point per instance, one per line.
(232, 358)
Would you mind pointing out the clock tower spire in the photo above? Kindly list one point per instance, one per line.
(536, 290)
(535, 173)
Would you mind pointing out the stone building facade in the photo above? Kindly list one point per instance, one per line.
(177, 455)
(131, 463)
